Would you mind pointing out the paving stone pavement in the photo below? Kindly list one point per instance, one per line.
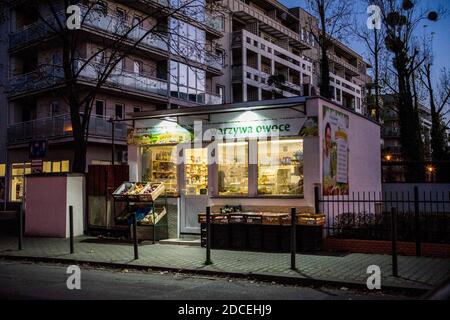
(414, 272)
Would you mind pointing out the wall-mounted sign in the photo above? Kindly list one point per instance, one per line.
(37, 166)
(159, 135)
(335, 152)
(261, 128)
(38, 149)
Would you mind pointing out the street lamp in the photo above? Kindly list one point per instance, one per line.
(388, 157)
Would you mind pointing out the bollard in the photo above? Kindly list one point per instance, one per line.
(208, 236)
(416, 221)
(316, 199)
(135, 237)
(71, 228)
(21, 226)
(394, 241)
(293, 237)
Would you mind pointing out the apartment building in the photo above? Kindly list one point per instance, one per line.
(156, 75)
(390, 132)
(267, 39)
(249, 50)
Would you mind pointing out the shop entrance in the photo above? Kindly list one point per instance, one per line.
(194, 195)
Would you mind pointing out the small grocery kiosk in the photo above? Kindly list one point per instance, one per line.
(259, 154)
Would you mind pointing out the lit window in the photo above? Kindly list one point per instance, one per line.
(2, 170)
(65, 166)
(280, 167)
(47, 167)
(233, 168)
(56, 166)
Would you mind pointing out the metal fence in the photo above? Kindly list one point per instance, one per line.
(421, 216)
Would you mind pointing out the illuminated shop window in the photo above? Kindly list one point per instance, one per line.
(233, 168)
(2, 169)
(159, 165)
(196, 171)
(280, 167)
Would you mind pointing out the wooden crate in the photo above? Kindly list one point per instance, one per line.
(143, 196)
(269, 218)
(310, 219)
(119, 193)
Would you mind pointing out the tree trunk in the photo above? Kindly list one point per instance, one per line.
(410, 131)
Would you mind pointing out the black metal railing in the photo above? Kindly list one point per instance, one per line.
(421, 216)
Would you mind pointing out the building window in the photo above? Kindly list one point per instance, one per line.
(233, 168)
(119, 111)
(137, 67)
(187, 40)
(18, 172)
(187, 82)
(54, 106)
(269, 49)
(99, 108)
(101, 7)
(2, 182)
(280, 167)
(137, 109)
(2, 169)
(159, 165)
(137, 21)
(338, 94)
(56, 166)
(220, 90)
(121, 14)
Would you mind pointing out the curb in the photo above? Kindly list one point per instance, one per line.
(263, 277)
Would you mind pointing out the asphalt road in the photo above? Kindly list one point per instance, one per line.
(21, 280)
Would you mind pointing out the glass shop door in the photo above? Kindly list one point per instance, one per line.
(194, 195)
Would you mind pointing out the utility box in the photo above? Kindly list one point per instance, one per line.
(47, 201)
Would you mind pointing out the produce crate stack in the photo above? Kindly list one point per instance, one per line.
(140, 198)
(263, 231)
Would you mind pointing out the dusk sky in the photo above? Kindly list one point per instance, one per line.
(441, 44)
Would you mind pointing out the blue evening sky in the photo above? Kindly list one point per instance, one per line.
(441, 28)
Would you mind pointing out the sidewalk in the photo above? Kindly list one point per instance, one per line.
(346, 270)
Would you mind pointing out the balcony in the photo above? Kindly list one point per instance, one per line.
(61, 127)
(343, 64)
(45, 76)
(212, 98)
(121, 79)
(92, 19)
(213, 61)
(214, 22)
(267, 24)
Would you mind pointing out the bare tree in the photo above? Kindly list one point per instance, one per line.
(334, 21)
(400, 20)
(105, 65)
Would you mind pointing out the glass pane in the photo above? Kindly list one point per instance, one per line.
(192, 77)
(2, 170)
(47, 167)
(65, 166)
(16, 189)
(196, 170)
(159, 165)
(233, 168)
(201, 75)
(280, 167)
(173, 72)
(56, 166)
(182, 78)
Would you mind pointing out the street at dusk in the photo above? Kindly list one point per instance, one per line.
(274, 151)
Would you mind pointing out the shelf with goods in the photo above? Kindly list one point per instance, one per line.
(233, 179)
(139, 198)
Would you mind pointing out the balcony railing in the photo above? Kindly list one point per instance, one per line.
(122, 79)
(212, 98)
(61, 127)
(215, 22)
(45, 76)
(213, 61)
(343, 63)
(93, 19)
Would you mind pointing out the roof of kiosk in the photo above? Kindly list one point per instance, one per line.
(224, 108)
